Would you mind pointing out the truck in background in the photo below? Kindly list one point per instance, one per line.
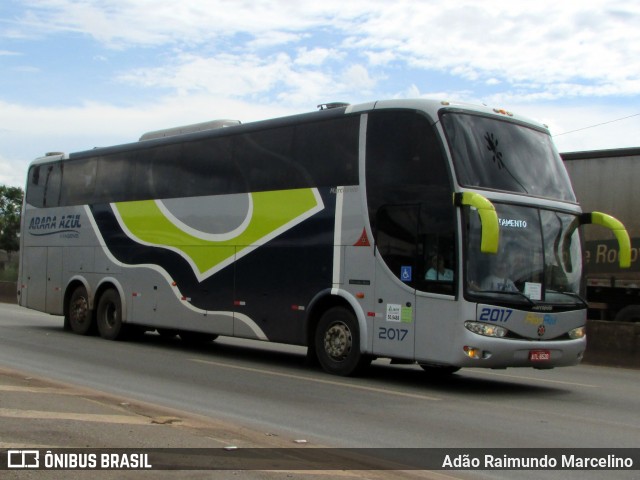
(608, 179)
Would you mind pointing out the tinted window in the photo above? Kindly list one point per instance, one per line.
(409, 196)
(78, 181)
(314, 154)
(267, 160)
(212, 167)
(115, 175)
(43, 188)
(503, 155)
(328, 151)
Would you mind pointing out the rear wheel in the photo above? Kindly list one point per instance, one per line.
(337, 343)
(630, 313)
(109, 316)
(79, 317)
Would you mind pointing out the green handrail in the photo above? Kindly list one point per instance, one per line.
(616, 226)
(490, 236)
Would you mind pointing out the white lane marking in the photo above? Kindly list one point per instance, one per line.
(317, 380)
(519, 377)
(83, 417)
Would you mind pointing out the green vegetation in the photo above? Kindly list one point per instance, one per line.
(10, 211)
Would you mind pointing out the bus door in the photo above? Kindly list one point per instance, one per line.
(396, 237)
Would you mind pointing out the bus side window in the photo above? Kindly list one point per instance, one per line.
(406, 165)
(78, 182)
(52, 183)
(35, 190)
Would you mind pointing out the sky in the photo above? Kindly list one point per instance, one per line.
(77, 74)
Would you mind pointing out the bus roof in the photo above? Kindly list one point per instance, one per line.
(214, 128)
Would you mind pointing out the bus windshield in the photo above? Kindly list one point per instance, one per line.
(535, 262)
(505, 155)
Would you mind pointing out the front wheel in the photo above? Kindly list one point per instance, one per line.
(337, 343)
(109, 316)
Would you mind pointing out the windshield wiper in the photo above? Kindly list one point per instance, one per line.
(572, 295)
(511, 292)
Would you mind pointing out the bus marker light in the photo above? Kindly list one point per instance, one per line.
(472, 352)
(503, 111)
(360, 295)
(239, 303)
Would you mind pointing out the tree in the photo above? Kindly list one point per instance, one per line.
(10, 210)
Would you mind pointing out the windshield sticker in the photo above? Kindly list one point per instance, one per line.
(492, 145)
(512, 223)
(406, 274)
(393, 312)
(407, 315)
(533, 290)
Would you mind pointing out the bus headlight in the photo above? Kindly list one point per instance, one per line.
(486, 329)
(577, 333)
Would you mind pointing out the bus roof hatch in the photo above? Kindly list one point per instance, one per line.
(193, 128)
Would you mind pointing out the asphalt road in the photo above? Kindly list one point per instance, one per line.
(270, 391)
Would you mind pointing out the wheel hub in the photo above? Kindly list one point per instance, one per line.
(79, 310)
(111, 315)
(338, 341)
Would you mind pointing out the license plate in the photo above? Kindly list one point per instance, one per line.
(539, 355)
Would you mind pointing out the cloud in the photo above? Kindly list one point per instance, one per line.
(586, 127)
(10, 175)
(161, 63)
(126, 23)
(547, 49)
(35, 131)
(316, 56)
(249, 76)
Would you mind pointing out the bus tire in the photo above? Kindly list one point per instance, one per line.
(337, 343)
(109, 316)
(630, 313)
(79, 317)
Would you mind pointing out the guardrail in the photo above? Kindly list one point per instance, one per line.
(613, 343)
(8, 292)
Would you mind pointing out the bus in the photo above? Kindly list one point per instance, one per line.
(422, 231)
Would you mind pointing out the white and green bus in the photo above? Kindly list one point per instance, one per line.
(421, 231)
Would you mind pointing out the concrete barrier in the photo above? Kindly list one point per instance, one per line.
(8, 292)
(614, 344)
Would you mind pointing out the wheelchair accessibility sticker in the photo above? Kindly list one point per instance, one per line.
(406, 273)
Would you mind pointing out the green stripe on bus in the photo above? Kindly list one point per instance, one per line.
(273, 212)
